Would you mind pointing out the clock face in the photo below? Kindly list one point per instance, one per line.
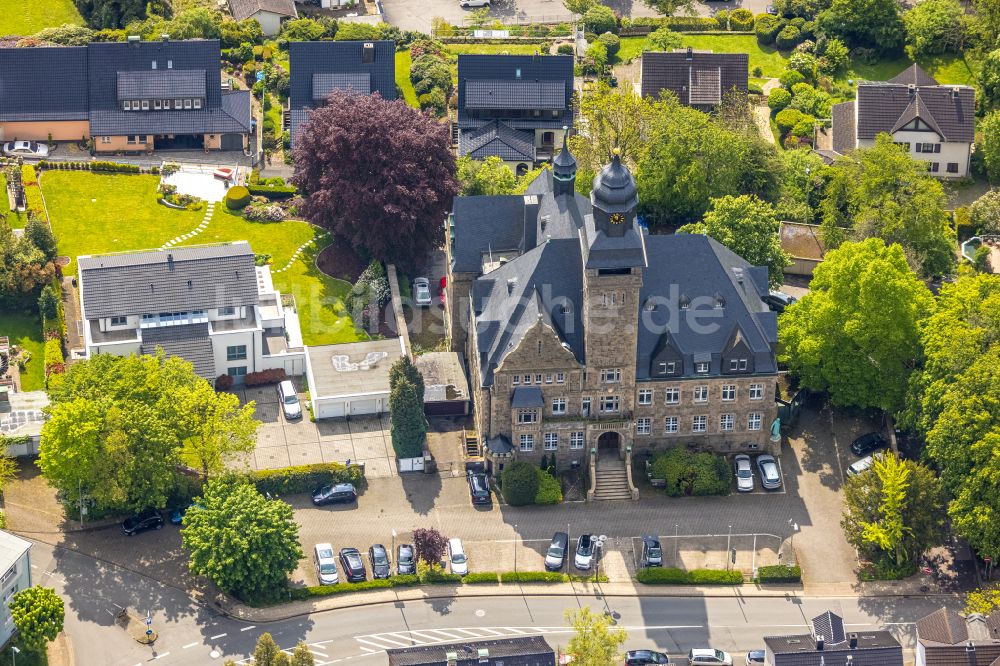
(617, 218)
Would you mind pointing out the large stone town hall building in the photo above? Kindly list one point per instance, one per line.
(583, 331)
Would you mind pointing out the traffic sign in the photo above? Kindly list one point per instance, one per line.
(260, 76)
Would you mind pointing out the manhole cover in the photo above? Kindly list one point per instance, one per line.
(480, 613)
(214, 654)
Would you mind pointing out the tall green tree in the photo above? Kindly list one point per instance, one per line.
(488, 177)
(24, 267)
(579, 6)
(405, 368)
(670, 7)
(882, 192)
(990, 127)
(301, 656)
(241, 541)
(218, 428)
(38, 614)
(801, 185)
(595, 642)
(886, 532)
(409, 426)
(989, 79)
(266, 650)
(935, 26)
(855, 334)
(874, 24)
(748, 227)
(986, 23)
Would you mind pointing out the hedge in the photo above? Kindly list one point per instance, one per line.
(741, 20)
(237, 197)
(779, 573)
(54, 361)
(533, 577)
(305, 478)
(102, 167)
(481, 577)
(672, 576)
(644, 25)
(767, 28)
(272, 376)
(300, 593)
(273, 192)
(433, 576)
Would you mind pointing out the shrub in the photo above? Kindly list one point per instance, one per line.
(779, 573)
(741, 20)
(767, 28)
(981, 259)
(481, 578)
(566, 49)
(611, 42)
(788, 37)
(223, 382)
(600, 19)
(805, 128)
(688, 473)
(549, 489)
(430, 545)
(272, 376)
(264, 213)
(519, 483)
(435, 574)
(300, 593)
(237, 197)
(272, 192)
(787, 119)
(305, 478)
(984, 213)
(533, 577)
(722, 18)
(790, 77)
(778, 99)
(54, 362)
(671, 576)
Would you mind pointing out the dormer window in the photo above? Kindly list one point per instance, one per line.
(145, 105)
(154, 64)
(156, 104)
(197, 103)
(178, 103)
(187, 104)
(170, 64)
(127, 105)
(701, 367)
(119, 321)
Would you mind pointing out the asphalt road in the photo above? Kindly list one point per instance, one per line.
(190, 634)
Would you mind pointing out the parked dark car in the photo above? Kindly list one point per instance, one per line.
(778, 301)
(150, 519)
(555, 557)
(341, 493)
(479, 488)
(406, 559)
(643, 657)
(652, 555)
(379, 560)
(756, 657)
(868, 443)
(353, 565)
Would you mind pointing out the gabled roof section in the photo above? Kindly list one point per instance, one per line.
(43, 83)
(844, 129)
(177, 280)
(498, 139)
(306, 60)
(917, 109)
(517, 80)
(884, 107)
(830, 626)
(244, 9)
(484, 224)
(688, 74)
(515, 94)
(161, 84)
(191, 342)
(527, 397)
(914, 75)
(326, 82)
(942, 626)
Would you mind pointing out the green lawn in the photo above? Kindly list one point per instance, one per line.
(26, 17)
(99, 213)
(279, 239)
(25, 330)
(491, 49)
(403, 78)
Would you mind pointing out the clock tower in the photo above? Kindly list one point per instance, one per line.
(614, 198)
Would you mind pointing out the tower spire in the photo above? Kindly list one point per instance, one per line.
(564, 168)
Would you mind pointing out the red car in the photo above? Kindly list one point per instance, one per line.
(444, 283)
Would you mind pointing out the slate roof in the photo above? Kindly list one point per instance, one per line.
(519, 651)
(695, 77)
(499, 139)
(884, 107)
(914, 75)
(873, 648)
(64, 93)
(177, 280)
(484, 224)
(353, 82)
(161, 84)
(527, 396)
(191, 342)
(545, 80)
(244, 9)
(830, 626)
(844, 137)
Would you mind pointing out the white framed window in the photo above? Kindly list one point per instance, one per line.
(527, 416)
(538, 379)
(609, 403)
(701, 367)
(643, 426)
(699, 424)
(166, 104)
(560, 377)
(187, 104)
(734, 365)
(576, 440)
(558, 405)
(527, 380)
(551, 441)
(645, 396)
(515, 380)
(145, 105)
(119, 321)
(753, 421)
(670, 425)
(701, 394)
(673, 395)
(756, 391)
(527, 443)
(548, 379)
(105, 139)
(667, 368)
(127, 105)
(743, 365)
(726, 422)
(611, 375)
(197, 103)
(728, 392)
(585, 407)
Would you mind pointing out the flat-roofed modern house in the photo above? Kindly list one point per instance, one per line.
(934, 123)
(319, 68)
(697, 78)
(269, 13)
(515, 107)
(135, 96)
(15, 563)
(207, 304)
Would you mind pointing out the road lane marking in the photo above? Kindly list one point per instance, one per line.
(217, 636)
(252, 626)
(425, 636)
(320, 654)
(161, 656)
(471, 633)
(366, 649)
(516, 630)
(404, 635)
(379, 646)
(444, 633)
(493, 631)
(189, 645)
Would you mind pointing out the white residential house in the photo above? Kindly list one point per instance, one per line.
(210, 305)
(15, 567)
(269, 13)
(934, 123)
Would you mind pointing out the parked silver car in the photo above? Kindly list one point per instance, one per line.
(770, 475)
(25, 149)
(290, 404)
(422, 292)
(744, 473)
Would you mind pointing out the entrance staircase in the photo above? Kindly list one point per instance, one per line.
(612, 477)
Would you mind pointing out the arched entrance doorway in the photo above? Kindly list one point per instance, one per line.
(609, 444)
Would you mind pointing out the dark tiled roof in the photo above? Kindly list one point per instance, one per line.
(942, 626)
(178, 280)
(193, 121)
(914, 75)
(236, 105)
(326, 82)
(499, 444)
(844, 138)
(830, 626)
(527, 396)
(881, 107)
(297, 117)
(161, 84)
(514, 94)
(306, 59)
(244, 9)
(485, 224)
(519, 651)
(689, 79)
(191, 342)
(499, 139)
(547, 75)
(44, 83)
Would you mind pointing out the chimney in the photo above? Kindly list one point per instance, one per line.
(912, 90)
(529, 238)
(820, 643)
(170, 258)
(690, 53)
(854, 641)
(368, 53)
(511, 283)
(849, 661)
(954, 92)
(484, 656)
(134, 40)
(970, 648)
(452, 658)
(164, 37)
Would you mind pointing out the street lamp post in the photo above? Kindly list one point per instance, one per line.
(393, 545)
(13, 654)
(729, 542)
(515, 550)
(795, 528)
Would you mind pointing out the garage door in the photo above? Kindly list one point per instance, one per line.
(364, 407)
(232, 142)
(330, 410)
